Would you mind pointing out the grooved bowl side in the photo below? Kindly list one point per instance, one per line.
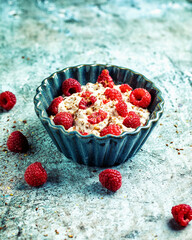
(92, 150)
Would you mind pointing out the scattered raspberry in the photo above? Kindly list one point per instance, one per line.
(121, 108)
(35, 175)
(87, 100)
(64, 118)
(111, 179)
(83, 133)
(71, 86)
(113, 129)
(97, 117)
(140, 97)
(7, 100)
(125, 88)
(53, 108)
(17, 142)
(132, 120)
(105, 79)
(113, 94)
(86, 94)
(182, 214)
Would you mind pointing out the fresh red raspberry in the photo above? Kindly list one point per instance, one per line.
(105, 79)
(70, 86)
(132, 120)
(17, 142)
(121, 108)
(35, 175)
(64, 118)
(97, 117)
(7, 100)
(87, 100)
(182, 214)
(111, 179)
(140, 97)
(53, 108)
(113, 94)
(125, 88)
(113, 129)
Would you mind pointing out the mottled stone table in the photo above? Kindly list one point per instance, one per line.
(151, 37)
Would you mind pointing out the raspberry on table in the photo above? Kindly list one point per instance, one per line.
(132, 120)
(140, 97)
(112, 94)
(35, 175)
(121, 108)
(111, 179)
(105, 79)
(87, 100)
(113, 129)
(64, 118)
(53, 108)
(182, 214)
(7, 100)
(70, 86)
(97, 117)
(17, 142)
(125, 88)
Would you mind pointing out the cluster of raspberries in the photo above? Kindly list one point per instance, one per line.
(139, 97)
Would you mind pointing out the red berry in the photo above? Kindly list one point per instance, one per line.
(53, 108)
(113, 129)
(125, 88)
(105, 79)
(132, 120)
(121, 108)
(105, 101)
(112, 94)
(7, 100)
(87, 100)
(70, 86)
(97, 117)
(111, 179)
(17, 142)
(83, 133)
(182, 214)
(140, 97)
(35, 175)
(64, 118)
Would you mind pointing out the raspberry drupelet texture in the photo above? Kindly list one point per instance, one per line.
(111, 179)
(53, 108)
(105, 79)
(140, 97)
(113, 94)
(97, 117)
(132, 120)
(7, 100)
(70, 86)
(121, 108)
(35, 175)
(64, 118)
(87, 100)
(125, 88)
(17, 142)
(182, 214)
(113, 129)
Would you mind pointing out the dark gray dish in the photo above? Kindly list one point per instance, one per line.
(92, 150)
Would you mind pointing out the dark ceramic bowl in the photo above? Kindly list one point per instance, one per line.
(92, 150)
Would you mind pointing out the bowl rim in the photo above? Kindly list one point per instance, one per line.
(40, 112)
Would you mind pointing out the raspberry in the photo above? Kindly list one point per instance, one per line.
(71, 86)
(7, 100)
(53, 108)
(182, 214)
(64, 118)
(35, 175)
(132, 120)
(113, 94)
(113, 129)
(97, 117)
(140, 97)
(17, 142)
(111, 179)
(121, 108)
(87, 100)
(125, 88)
(105, 79)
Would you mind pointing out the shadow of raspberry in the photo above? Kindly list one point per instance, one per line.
(172, 224)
